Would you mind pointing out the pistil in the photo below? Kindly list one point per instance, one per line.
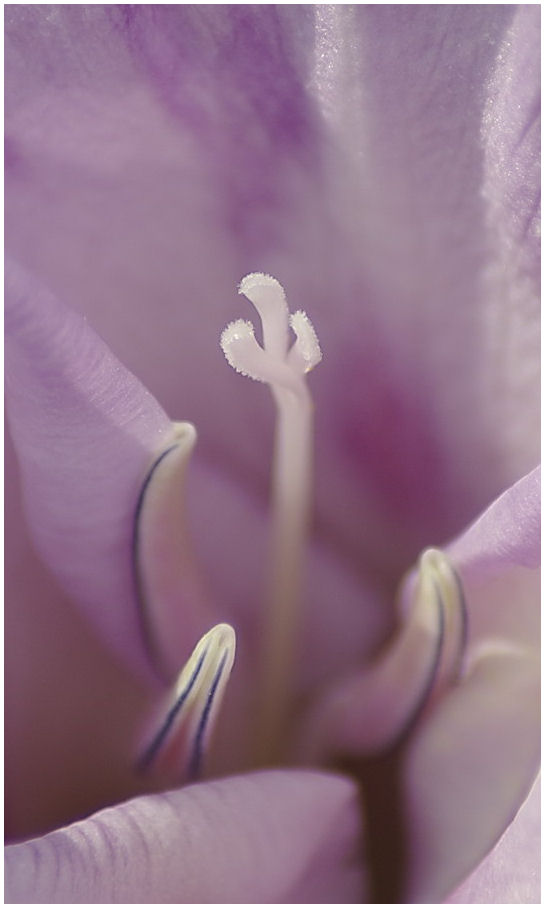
(283, 368)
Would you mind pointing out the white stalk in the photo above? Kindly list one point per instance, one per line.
(283, 369)
(291, 491)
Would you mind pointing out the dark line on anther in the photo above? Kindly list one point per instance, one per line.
(195, 764)
(428, 686)
(151, 751)
(465, 623)
(148, 639)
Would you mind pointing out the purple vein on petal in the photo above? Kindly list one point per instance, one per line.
(278, 837)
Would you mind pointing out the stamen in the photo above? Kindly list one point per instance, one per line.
(177, 747)
(284, 371)
(374, 709)
(451, 594)
(166, 575)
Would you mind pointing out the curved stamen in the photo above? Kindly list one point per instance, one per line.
(284, 371)
(374, 709)
(177, 747)
(166, 575)
(454, 607)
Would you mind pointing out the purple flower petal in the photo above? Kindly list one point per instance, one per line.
(383, 162)
(471, 764)
(476, 753)
(511, 872)
(85, 432)
(267, 838)
(399, 213)
(62, 686)
(507, 534)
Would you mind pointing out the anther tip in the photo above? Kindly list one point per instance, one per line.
(185, 433)
(433, 558)
(222, 635)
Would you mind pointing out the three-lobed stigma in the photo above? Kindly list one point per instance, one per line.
(275, 363)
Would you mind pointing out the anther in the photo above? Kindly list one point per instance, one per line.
(177, 747)
(375, 708)
(435, 564)
(166, 574)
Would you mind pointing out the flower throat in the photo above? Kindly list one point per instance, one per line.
(368, 713)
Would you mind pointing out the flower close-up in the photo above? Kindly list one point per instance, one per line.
(272, 446)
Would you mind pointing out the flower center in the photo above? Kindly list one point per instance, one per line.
(370, 711)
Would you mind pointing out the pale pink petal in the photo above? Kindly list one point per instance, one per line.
(62, 686)
(510, 874)
(376, 181)
(386, 173)
(498, 559)
(508, 533)
(86, 432)
(474, 751)
(468, 769)
(475, 754)
(270, 837)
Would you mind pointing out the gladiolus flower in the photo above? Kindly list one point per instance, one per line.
(374, 733)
